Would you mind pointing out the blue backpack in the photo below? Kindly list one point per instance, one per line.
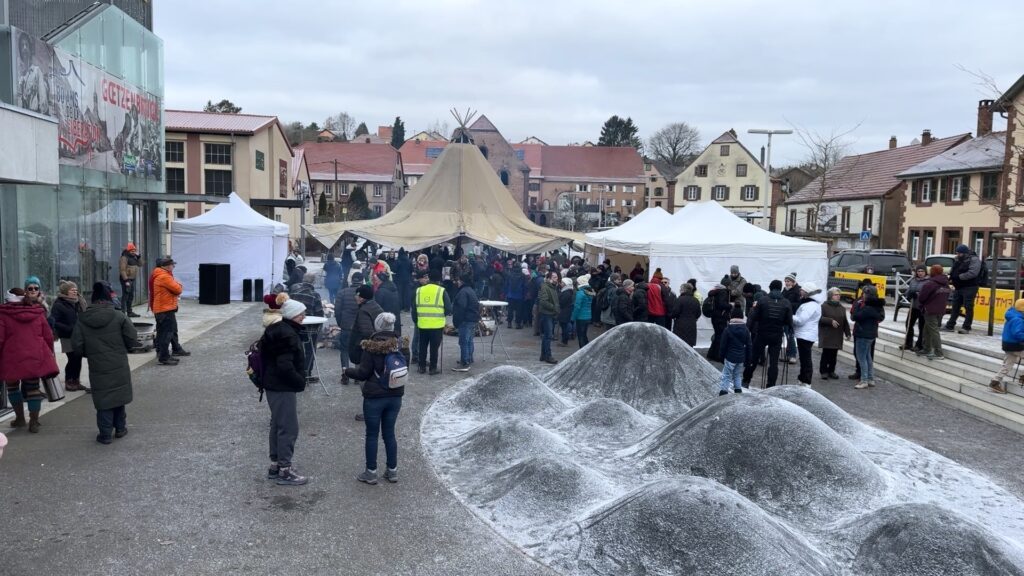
(396, 371)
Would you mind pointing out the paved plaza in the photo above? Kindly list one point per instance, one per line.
(184, 492)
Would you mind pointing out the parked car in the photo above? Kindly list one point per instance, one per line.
(1007, 271)
(944, 260)
(880, 261)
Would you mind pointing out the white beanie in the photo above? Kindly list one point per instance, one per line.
(384, 322)
(292, 308)
(567, 282)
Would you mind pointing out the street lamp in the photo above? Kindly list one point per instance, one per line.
(768, 172)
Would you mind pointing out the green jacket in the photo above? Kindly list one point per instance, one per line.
(104, 336)
(547, 299)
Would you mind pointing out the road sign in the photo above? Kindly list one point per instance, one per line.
(865, 235)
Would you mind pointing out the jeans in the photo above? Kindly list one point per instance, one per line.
(466, 331)
(415, 343)
(862, 349)
(127, 295)
(916, 318)
(429, 339)
(343, 342)
(380, 415)
(732, 374)
(806, 360)
(74, 368)
(112, 419)
(932, 338)
(791, 347)
(547, 326)
(774, 345)
(581, 332)
(284, 426)
(963, 298)
(166, 330)
(515, 312)
(828, 361)
(855, 357)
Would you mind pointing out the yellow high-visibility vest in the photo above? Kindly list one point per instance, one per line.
(430, 307)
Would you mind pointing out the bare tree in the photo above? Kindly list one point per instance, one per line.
(440, 127)
(674, 143)
(342, 124)
(826, 156)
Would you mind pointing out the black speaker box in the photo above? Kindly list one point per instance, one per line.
(214, 283)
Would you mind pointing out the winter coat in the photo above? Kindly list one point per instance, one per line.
(332, 275)
(805, 320)
(770, 315)
(934, 295)
(792, 295)
(368, 312)
(609, 295)
(389, 300)
(639, 300)
(637, 275)
(378, 346)
(345, 308)
(547, 300)
(514, 283)
(655, 304)
(668, 297)
(914, 291)
(867, 315)
(164, 291)
(284, 360)
(63, 315)
(735, 287)
(534, 286)
(964, 272)
(305, 293)
(104, 336)
(566, 304)
(622, 307)
(270, 316)
(736, 346)
(402, 270)
(128, 265)
(722, 307)
(1013, 331)
(686, 312)
(582, 308)
(465, 307)
(26, 343)
(830, 337)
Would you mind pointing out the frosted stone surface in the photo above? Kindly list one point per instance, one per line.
(624, 460)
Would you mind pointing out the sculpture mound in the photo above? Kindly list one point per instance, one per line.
(508, 390)
(505, 440)
(771, 451)
(540, 489)
(642, 364)
(685, 526)
(606, 422)
(833, 416)
(926, 539)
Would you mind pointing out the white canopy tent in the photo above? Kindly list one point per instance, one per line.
(232, 233)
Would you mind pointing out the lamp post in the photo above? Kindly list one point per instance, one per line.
(768, 172)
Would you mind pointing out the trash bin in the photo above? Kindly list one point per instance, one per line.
(214, 283)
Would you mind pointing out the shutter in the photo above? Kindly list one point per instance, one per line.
(757, 193)
(698, 192)
(726, 192)
(914, 184)
(941, 183)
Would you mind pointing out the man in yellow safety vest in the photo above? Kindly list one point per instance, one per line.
(430, 306)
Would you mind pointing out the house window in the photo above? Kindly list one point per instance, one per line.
(989, 186)
(218, 154)
(378, 210)
(434, 152)
(701, 170)
(657, 204)
(845, 221)
(749, 193)
(583, 187)
(869, 218)
(277, 217)
(978, 242)
(174, 151)
(328, 189)
(504, 177)
(629, 189)
(915, 245)
(342, 189)
(959, 185)
(929, 242)
(610, 203)
(412, 180)
(723, 150)
(926, 191)
(218, 182)
(175, 180)
(741, 170)
(534, 186)
(692, 193)
(547, 205)
(179, 214)
(659, 191)
(940, 190)
(520, 155)
(792, 219)
(378, 190)
(811, 223)
(483, 150)
(719, 193)
(611, 187)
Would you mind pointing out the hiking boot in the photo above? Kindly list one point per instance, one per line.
(946, 328)
(33, 422)
(993, 384)
(550, 360)
(854, 376)
(936, 357)
(391, 475)
(434, 372)
(460, 367)
(421, 370)
(120, 433)
(103, 439)
(999, 388)
(737, 390)
(862, 385)
(181, 352)
(19, 415)
(169, 361)
(133, 315)
(920, 352)
(833, 375)
(723, 392)
(360, 417)
(344, 380)
(871, 383)
(964, 331)
(791, 360)
(368, 477)
(288, 477)
(273, 472)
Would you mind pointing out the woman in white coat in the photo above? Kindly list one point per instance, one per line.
(805, 328)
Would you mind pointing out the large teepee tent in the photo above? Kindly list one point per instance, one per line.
(459, 196)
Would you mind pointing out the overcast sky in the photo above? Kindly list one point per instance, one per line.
(558, 69)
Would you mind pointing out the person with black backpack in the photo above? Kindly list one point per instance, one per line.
(383, 370)
(769, 318)
(284, 376)
(966, 274)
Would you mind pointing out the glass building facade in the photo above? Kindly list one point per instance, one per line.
(102, 79)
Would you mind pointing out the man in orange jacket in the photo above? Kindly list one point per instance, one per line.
(164, 290)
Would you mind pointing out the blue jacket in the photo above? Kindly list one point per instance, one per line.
(582, 309)
(736, 345)
(1013, 331)
(514, 285)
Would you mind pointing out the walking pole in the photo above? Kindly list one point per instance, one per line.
(764, 368)
(1015, 373)
(785, 365)
(906, 332)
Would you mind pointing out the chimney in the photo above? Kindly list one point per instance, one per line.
(926, 137)
(384, 132)
(892, 142)
(984, 118)
(367, 140)
(762, 155)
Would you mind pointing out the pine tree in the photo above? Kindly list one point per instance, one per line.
(397, 133)
(358, 206)
(619, 132)
(362, 130)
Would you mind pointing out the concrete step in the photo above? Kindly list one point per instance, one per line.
(937, 381)
(981, 345)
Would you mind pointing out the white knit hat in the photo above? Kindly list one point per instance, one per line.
(384, 322)
(292, 308)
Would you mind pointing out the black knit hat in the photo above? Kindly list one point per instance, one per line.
(365, 292)
(101, 292)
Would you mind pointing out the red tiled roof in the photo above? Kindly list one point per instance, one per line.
(591, 162)
(873, 174)
(414, 155)
(212, 122)
(533, 157)
(354, 160)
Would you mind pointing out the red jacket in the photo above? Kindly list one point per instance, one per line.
(655, 304)
(26, 343)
